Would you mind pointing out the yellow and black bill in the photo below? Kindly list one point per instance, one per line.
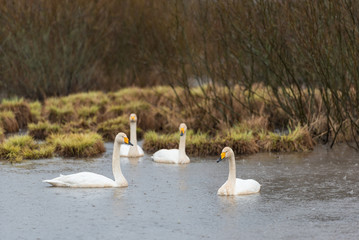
(128, 141)
(223, 155)
(182, 131)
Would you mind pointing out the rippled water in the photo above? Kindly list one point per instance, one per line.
(304, 196)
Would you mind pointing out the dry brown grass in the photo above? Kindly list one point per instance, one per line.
(20, 108)
(8, 122)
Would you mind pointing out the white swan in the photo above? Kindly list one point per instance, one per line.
(236, 186)
(174, 155)
(93, 180)
(135, 150)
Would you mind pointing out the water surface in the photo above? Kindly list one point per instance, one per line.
(304, 196)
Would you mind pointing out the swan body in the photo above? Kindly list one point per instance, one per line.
(179, 155)
(82, 179)
(125, 149)
(94, 180)
(169, 156)
(236, 186)
(135, 150)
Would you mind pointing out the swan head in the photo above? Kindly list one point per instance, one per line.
(226, 153)
(182, 129)
(121, 138)
(133, 117)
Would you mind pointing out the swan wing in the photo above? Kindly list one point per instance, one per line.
(82, 179)
(247, 186)
(166, 156)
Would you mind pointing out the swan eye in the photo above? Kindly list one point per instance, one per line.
(223, 155)
(126, 140)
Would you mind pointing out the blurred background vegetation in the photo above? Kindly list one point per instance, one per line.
(300, 57)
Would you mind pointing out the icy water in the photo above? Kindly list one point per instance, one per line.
(304, 196)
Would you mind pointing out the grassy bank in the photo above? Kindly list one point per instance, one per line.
(262, 125)
(18, 148)
(240, 140)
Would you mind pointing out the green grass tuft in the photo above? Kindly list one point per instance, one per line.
(17, 148)
(87, 111)
(35, 110)
(77, 144)
(41, 130)
(110, 128)
(61, 115)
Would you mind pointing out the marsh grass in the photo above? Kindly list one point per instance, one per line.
(80, 126)
(42, 130)
(8, 121)
(2, 135)
(77, 144)
(86, 112)
(61, 114)
(20, 108)
(109, 129)
(240, 140)
(17, 148)
(298, 139)
(36, 111)
(154, 141)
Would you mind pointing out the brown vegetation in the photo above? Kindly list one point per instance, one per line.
(291, 62)
(20, 108)
(8, 122)
(2, 135)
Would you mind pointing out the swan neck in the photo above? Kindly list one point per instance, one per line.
(232, 169)
(182, 144)
(133, 137)
(116, 166)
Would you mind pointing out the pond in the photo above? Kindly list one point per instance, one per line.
(304, 196)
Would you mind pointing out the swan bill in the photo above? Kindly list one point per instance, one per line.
(223, 155)
(127, 141)
(182, 131)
